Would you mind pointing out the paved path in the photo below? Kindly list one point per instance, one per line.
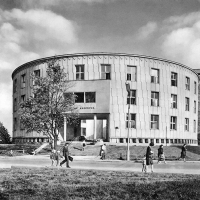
(95, 163)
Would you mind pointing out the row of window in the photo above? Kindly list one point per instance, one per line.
(158, 141)
(80, 97)
(106, 74)
(90, 97)
(23, 80)
(131, 99)
(131, 122)
(154, 124)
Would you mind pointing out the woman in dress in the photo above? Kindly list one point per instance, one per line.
(149, 158)
(183, 152)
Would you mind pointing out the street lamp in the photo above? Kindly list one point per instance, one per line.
(129, 93)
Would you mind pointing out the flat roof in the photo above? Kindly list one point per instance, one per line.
(45, 59)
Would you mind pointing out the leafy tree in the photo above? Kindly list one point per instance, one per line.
(4, 135)
(43, 111)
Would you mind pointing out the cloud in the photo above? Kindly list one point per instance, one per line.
(146, 31)
(181, 42)
(25, 36)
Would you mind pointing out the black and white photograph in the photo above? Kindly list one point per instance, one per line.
(99, 99)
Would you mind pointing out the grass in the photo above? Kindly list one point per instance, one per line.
(114, 152)
(51, 183)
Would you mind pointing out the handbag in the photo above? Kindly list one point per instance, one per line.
(70, 158)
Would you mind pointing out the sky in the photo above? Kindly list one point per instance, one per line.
(32, 29)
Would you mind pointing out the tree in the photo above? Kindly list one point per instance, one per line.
(4, 135)
(43, 110)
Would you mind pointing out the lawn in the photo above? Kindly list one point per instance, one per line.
(114, 152)
(52, 183)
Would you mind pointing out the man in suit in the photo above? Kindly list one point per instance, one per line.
(66, 155)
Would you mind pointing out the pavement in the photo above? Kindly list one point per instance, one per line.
(94, 163)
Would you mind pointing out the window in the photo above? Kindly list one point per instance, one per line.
(121, 140)
(195, 107)
(105, 71)
(21, 125)
(15, 123)
(79, 97)
(79, 72)
(23, 80)
(15, 104)
(171, 141)
(146, 140)
(131, 99)
(83, 131)
(174, 79)
(154, 75)
(194, 126)
(15, 86)
(23, 98)
(187, 83)
(162, 140)
(154, 99)
(90, 97)
(131, 73)
(195, 87)
(173, 101)
(157, 140)
(140, 140)
(186, 124)
(83, 121)
(132, 121)
(154, 122)
(134, 140)
(37, 75)
(187, 104)
(173, 123)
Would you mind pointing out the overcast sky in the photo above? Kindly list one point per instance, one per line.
(31, 29)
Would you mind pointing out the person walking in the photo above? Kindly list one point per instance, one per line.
(103, 152)
(66, 155)
(183, 152)
(161, 155)
(149, 158)
(84, 145)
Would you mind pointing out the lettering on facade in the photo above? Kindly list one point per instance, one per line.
(87, 108)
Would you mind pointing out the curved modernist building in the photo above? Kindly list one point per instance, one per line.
(163, 98)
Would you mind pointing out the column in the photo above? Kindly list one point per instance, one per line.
(95, 126)
(65, 128)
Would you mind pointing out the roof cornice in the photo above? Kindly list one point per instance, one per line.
(43, 60)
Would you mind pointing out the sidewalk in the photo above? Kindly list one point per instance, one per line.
(94, 163)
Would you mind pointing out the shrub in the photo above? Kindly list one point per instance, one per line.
(4, 135)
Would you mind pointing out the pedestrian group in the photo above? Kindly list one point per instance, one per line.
(147, 159)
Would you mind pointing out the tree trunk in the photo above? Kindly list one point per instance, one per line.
(55, 141)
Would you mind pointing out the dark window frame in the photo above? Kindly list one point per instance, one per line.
(174, 79)
(80, 72)
(106, 71)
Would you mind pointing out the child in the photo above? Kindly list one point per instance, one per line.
(84, 145)
(55, 156)
(144, 166)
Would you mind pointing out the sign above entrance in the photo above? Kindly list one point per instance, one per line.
(87, 108)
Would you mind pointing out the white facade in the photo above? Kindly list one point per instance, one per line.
(164, 97)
